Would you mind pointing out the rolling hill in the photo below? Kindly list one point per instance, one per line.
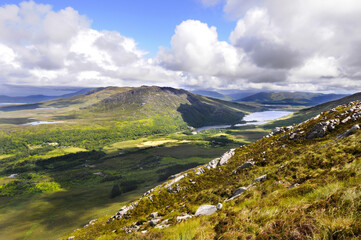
(291, 98)
(213, 94)
(38, 98)
(307, 113)
(299, 182)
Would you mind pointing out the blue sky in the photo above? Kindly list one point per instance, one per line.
(150, 22)
(277, 45)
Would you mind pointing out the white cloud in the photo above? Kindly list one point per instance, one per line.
(314, 44)
(39, 46)
(276, 44)
(197, 50)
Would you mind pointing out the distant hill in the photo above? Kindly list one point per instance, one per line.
(291, 98)
(134, 104)
(307, 113)
(38, 98)
(213, 94)
(194, 109)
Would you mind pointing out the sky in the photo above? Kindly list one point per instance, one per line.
(277, 45)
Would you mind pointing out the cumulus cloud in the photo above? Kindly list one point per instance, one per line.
(36, 50)
(305, 43)
(196, 49)
(276, 44)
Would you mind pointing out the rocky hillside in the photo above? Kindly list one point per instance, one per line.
(291, 98)
(299, 182)
(307, 113)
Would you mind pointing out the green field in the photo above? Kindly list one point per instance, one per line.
(109, 150)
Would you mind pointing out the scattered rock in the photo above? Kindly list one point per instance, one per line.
(154, 222)
(184, 217)
(206, 210)
(318, 131)
(200, 171)
(293, 186)
(260, 179)
(222, 160)
(163, 224)
(154, 215)
(13, 175)
(70, 238)
(245, 165)
(176, 178)
(349, 132)
(219, 206)
(237, 193)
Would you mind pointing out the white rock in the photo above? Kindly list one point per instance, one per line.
(206, 210)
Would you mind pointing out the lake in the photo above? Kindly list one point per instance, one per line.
(41, 122)
(256, 118)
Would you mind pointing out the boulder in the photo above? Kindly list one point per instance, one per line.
(238, 192)
(153, 215)
(219, 206)
(318, 131)
(260, 179)
(349, 132)
(154, 222)
(225, 157)
(222, 160)
(206, 210)
(184, 217)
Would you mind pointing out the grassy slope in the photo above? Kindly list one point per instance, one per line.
(307, 113)
(324, 202)
(291, 98)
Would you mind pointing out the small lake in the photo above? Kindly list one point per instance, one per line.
(41, 122)
(256, 118)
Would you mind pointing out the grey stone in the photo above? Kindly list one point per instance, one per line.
(153, 215)
(154, 222)
(219, 206)
(260, 179)
(184, 217)
(349, 132)
(318, 131)
(206, 210)
(238, 192)
(222, 160)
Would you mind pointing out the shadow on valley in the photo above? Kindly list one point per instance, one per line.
(20, 107)
(59, 194)
(200, 113)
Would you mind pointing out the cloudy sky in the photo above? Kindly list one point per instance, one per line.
(298, 45)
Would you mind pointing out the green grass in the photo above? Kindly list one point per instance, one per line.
(324, 202)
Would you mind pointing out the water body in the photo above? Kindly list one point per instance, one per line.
(42, 122)
(257, 118)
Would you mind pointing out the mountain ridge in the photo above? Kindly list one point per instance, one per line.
(292, 98)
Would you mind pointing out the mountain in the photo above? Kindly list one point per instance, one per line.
(213, 94)
(238, 94)
(298, 182)
(104, 115)
(310, 112)
(194, 109)
(38, 98)
(291, 98)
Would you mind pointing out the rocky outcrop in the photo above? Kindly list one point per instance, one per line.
(245, 165)
(222, 160)
(349, 132)
(237, 193)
